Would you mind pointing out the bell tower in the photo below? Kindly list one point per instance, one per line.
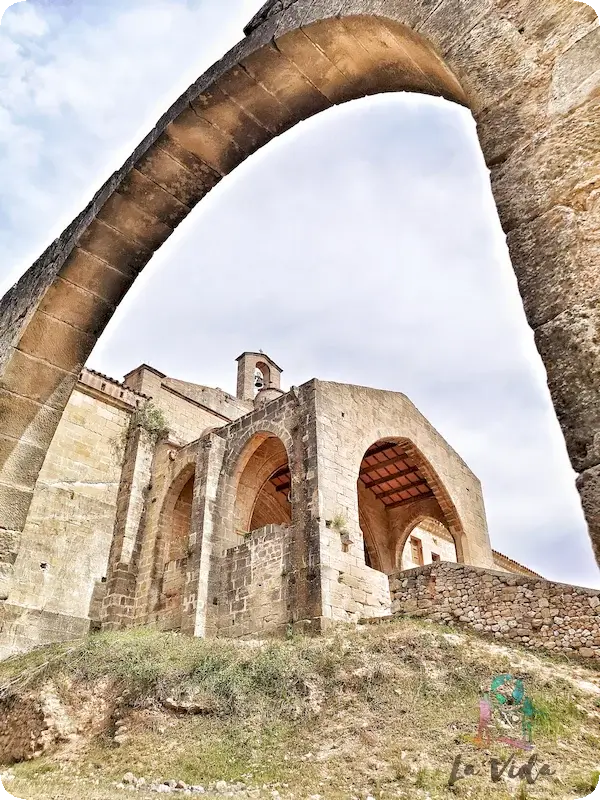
(256, 371)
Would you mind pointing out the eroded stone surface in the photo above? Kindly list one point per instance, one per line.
(554, 268)
(588, 484)
(570, 347)
(576, 76)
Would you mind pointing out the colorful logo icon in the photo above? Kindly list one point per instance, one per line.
(506, 714)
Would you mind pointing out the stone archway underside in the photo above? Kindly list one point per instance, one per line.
(527, 69)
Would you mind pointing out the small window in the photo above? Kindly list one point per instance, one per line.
(435, 557)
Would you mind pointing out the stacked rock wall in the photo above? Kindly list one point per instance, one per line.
(530, 611)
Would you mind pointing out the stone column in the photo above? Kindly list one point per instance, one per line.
(118, 604)
(304, 586)
(202, 585)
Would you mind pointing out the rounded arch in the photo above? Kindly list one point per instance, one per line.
(184, 473)
(397, 487)
(518, 77)
(242, 446)
(265, 372)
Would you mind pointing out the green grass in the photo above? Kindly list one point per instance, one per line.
(587, 784)
(554, 715)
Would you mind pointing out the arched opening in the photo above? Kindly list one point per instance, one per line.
(176, 526)
(395, 488)
(262, 376)
(263, 491)
(427, 542)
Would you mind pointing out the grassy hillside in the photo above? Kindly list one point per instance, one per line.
(381, 711)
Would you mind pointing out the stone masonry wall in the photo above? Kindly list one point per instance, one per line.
(190, 410)
(344, 432)
(253, 599)
(526, 610)
(67, 537)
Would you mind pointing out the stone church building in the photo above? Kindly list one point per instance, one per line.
(167, 503)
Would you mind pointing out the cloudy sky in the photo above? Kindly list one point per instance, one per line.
(363, 246)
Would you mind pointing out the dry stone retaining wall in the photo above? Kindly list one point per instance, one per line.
(525, 610)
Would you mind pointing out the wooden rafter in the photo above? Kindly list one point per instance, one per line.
(381, 449)
(387, 463)
(402, 474)
(408, 500)
(400, 489)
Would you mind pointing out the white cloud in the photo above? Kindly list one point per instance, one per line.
(80, 85)
(362, 246)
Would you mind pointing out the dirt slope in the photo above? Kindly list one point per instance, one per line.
(380, 711)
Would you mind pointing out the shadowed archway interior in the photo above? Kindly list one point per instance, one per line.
(263, 488)
(524, 73)
(396, 489)
(176, 529)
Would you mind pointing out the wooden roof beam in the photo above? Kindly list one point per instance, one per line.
(382, 448)
(387, 463)
(408, 500)
(401, 489)
(280, 472)
(400, 474)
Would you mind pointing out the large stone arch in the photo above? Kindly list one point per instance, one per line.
(527, 69)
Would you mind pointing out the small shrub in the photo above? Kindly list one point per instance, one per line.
(587, 784)
(149, 418)
(430, 779)
(339, 523)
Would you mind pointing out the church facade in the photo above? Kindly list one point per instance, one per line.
(167, 503)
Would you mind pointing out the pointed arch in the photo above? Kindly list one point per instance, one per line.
(397, 488)
(428, 525)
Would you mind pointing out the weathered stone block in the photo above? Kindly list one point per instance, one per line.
(576, 74)
(552, 272)
(570, 347)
